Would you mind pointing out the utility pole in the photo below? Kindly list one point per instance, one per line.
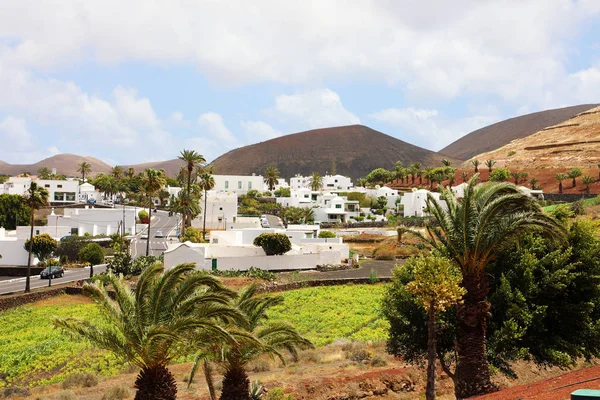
(123, 225)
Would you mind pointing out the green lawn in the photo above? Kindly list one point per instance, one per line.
(33, 352)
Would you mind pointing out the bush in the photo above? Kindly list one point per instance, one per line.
(254, 273)
(253, 193)
(69, 248)
(326, 235)
(116, 393)
(511, 153)
(65, 395)
(283, 192)
(260, 365)
(193, 235)
(92, 253)
(500, 175)
(143, 215)
(373, 278)
(577, 207)
(278, 394)
(378, 361)
(43, 246)
(360, 355)
(273, 243)
(312, 356)
(267, 194)
(80, 379)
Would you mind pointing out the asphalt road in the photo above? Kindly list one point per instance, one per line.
(71, 275)
(275, 221)
(160, 222)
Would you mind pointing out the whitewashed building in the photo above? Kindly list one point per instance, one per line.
(239, 184)
(221, 207)
(390, 194)
(95, 221)
(330, 182)
(415, 202)
(12, 249)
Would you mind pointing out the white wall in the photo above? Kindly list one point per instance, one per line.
(13, 251)
(239, 184)
(221, 207)
(337, 182)
(269, 263)
(56, 232)
(181, 253)
(221, 251)
(95, 221)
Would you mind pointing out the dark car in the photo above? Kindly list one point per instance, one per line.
(55, 271)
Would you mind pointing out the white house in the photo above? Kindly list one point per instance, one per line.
(12, 249)
(239, 184)
(337, 182)
(333, 208)
(303, 197)
(390, 194)
(415, 202)
(95, 221)
(221, 207)
(15, 185)
(59, 192)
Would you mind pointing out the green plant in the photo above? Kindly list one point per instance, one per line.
(326, 235)
(577, 207)
(511, 153)
(254, 273)
(575, 173)
(378, 361)
(143, 215)
(278, 394)
(65, 395)
(70, 246)
(13, 211)
(165, 317)
(193, 235)
(92, 253)
(43, 246)
(116, 393)
(373, 278)
(257, 391)
(80, 379)
(273, 243)
(499, 175)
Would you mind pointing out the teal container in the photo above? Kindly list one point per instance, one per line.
(585, 394)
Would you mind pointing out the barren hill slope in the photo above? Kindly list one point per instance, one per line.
(497, 135)
(571, 143)
(171, 167)
(356, 149)
(66, 164)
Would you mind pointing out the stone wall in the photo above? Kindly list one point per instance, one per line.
(19, 271)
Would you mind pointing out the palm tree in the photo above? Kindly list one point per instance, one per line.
(316, 182)
(192, 159)
(575, 173)
(532, 182)
(412, 171)
(490, 164)
(130, 172)
(44, 173)
(446, 162)
(587, 180)
(156, 322)
(268, 338)
(476, 165)
(361, 182)
(517, 176)
(152, 182)
(464, 175)
(116, 172)
(471, 232)
(560, 177)
(207, 182)
(85, 168)
(271, 177)
(36, 198)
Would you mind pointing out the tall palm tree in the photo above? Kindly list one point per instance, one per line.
(490, 164)
(316, 182)
(85, 168)
(270, 338)
(207, 182)
(130, 172)
(157, 322)
(446, 162)
(271, 177)
(587, 180)
(192, 159)
(560, 177)
(44, 173)
(152, 182)
(575, 173)
(471, 232)
(476, 165)
(36, 198)
(117, 172)
(464, 175)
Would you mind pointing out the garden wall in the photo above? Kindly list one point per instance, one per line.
(19, 271)
(567, 197)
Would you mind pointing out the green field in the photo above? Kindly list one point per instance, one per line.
(33, 352)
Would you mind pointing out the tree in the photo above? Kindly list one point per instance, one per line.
(575, 173)
(44, 173)
(533, 182)
(446, 162)
(476, 165)
(271, 177)
(283, 192)
(117, 172)
(192, 235)
(326, 235)
(472, 232)
(163, 197)
(560, 177)
(490, 164)
(36, 198)
(517, 176)
(207, 182)
(378, 176)
(13, 210)
(92, 253)
(262, 337)
(157, 322)
(153, 181)
(130, 172)
(587, 180)
(599, 171)
(43, 246)
(192, 159)
(273, 243)
(436, 286)
(499, 175)
(85, 168)
(316, 182)
(464, 175)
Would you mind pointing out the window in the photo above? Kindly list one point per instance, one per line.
(220, 208)
(338, 206)
(226, 184)
(249, 185)
(37, 232)
(46, 186)
(59, 186)
(71, 196)
(239, 184)
(59, 196)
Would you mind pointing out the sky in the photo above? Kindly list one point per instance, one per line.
(129, 81)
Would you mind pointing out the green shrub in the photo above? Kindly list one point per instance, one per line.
(116, 393)
(80, 379)
(511, 153)
(373, 278)
(273, 243)
(92, 253)
(254, 273)
(267, 194)
(326, 235)
(378, 361)
(577, 207)
(278, 394)
(43, 246)
(500, 175)
(143, 215)
(283, 192)
(193, 235)
(253, 193)
(65, 395)
(69, 248)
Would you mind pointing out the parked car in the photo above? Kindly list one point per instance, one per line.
(55, 271)
(159, 234)
(144, 235)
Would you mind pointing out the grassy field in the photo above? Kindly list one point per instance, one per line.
(33, 352)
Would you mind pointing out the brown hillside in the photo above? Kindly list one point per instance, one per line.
(170, 166)
(497, 135)
(572, 143)
(65, 164)
(356, 149)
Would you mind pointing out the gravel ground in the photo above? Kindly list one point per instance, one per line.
(382, 268)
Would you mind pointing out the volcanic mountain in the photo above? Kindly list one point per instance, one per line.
(355, 150)
(65, 164)
(501, 133)
(171, 167)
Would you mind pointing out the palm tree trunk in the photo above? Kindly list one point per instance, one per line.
(149, 224)
(472, 371)
(236, 385)
(204, 219)
(574, 182)
(28, 276)
(208, 375)
(431, 354)
(155, 384)
(560, 187)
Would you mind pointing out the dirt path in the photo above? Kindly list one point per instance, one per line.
(383, 269)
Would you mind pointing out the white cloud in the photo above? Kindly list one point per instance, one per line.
(258, 131)
(14, 134)
(427, 127)
(213, 124)
(177, 118)
(313, 109)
